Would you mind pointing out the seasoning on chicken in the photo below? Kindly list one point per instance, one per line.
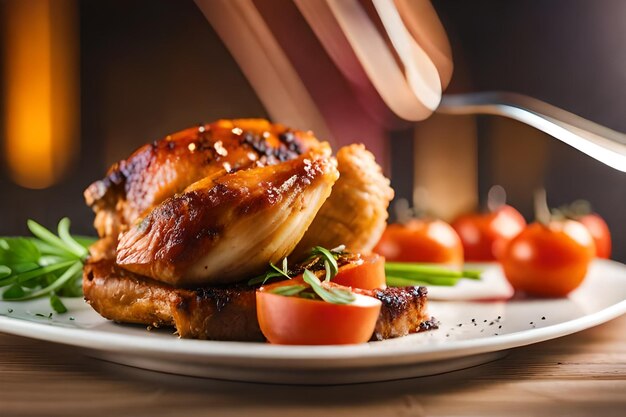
(159, 170)
(230, 227)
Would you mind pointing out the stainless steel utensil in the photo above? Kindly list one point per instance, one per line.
(601, 143)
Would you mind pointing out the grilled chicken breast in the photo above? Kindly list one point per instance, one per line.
(355, 214)
(165, 167)
(223, 312)
(229, 227)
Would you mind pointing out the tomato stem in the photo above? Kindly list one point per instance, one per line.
(542, 212)
(496, 198)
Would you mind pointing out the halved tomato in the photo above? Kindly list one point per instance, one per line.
(367, 273)
(293, 320)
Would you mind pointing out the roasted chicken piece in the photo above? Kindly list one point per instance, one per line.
(355, 214)
(165, 167)
(229, 227)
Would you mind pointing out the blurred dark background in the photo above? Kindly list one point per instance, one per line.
(151, 67)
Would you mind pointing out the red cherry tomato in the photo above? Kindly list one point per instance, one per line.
(301, 321)
(549, 260)
(484, 235)
(421, 241)
(600, 232)
(368, 273)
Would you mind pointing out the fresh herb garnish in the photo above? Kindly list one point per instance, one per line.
(317, 254)
(46, 265)
(273, 272)
(315, 291)
(329, 259)
(328, 294)
(57, 305)
(289, 290)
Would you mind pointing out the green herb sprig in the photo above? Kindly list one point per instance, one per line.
(272, 272)
(328, 294)
(45, 265)
(329, 257)
(315, 290)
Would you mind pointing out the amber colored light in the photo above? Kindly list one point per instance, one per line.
(41, 85)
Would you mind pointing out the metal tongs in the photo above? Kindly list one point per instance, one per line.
(355, 69)
(601, 143)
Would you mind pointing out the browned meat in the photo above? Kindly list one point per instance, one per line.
(219, 313)
(225, 229)
(222, 312)
(165, 167)
(403, 312)
(355, 214)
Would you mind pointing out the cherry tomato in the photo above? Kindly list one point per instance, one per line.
(300, 321)
(368, 273)
(485, 235)
(600, 232)
(421, 241)
(549, 260)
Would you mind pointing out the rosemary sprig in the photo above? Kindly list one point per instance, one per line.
(330, 295)
(315, 291)
(43, 265)
(288, 290)
(315, 288)
(273, 272)
(330, 261)
(329, 258)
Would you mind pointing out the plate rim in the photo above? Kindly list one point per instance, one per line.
(285, 356)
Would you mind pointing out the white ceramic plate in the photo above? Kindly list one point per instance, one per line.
(470, 333)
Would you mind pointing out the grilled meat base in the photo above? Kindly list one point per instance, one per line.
(222, 312)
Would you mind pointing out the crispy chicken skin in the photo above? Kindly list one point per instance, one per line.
(223, 312)
(165, 167)
(355, 214)
(229, 227)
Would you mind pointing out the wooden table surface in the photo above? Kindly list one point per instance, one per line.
(579, 375)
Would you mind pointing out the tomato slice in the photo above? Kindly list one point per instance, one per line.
(367, 273)
(301, 321)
